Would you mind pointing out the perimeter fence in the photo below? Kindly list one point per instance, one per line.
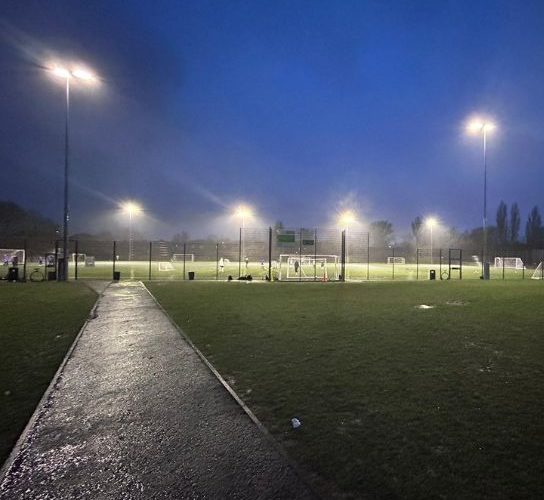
(286, 254)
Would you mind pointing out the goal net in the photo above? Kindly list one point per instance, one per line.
(539, 273)
(12, 256)
(509, 262)
(79, 257)
(180, 257)
(166, 266)
(308, 267)
(396, 260)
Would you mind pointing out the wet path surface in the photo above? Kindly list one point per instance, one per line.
(136, 414)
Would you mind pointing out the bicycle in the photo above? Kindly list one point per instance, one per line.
(37, 275)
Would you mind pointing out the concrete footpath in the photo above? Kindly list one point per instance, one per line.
(137, 414)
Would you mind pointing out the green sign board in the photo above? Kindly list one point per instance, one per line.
(308, 242)
(286, 237)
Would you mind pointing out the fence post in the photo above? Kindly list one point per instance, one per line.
(240, 254)
(114, 257)
(57, 259)
(184, 257)
(343, 254)
(393, 249)
(440, 264)
(216, 261)
(503, 265)
(368, 256)
(270, 254)
(417, 263)
(77, 258)
(150, 253)
(300, 254)
(315, 255)
(24, 260)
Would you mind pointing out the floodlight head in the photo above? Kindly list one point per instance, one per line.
(431, 221)
(78, 73)
(60, 72)
(131, 208)
(346, 218)
(478, 125)
(85, 75)
(244, 212)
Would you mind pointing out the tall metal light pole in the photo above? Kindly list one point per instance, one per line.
(67, 74)
(346, 218)
(483, 127)
(430, 222)
(244, 213)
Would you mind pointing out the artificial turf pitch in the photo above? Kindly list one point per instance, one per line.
(395, 401)
(39, 324)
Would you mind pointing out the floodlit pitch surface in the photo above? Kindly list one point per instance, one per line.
(209, 270)
(39, 324)
(395, 401)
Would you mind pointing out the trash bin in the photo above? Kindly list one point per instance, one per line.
(432, 274)
(116, 275)
(13, 274)
(191, 275)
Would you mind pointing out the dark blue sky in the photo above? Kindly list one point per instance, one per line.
(298, 108)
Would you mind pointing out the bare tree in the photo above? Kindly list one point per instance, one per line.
(502, 224)
(515, 223)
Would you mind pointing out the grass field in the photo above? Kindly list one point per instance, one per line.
(396, 401)
(39, 323)
(209, 270)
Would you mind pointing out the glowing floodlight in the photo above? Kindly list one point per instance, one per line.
(77, 73)
(477, 125)
(84, 74)
(131, 208)
(244, 212)
(431, 222)
(346, 218)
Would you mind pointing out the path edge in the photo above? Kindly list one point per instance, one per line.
(302, 475)
(42, 405)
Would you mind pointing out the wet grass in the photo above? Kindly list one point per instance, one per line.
(396, 401)
(39, 324)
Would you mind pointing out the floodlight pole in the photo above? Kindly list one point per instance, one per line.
(64, 276)
(431, 228)
(484, 257)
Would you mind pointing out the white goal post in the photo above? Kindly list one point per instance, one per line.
(539, 273)
(166, 266)
(509, 262)
(308, 267)
(12, 256)
(396, 260)
(179, 257)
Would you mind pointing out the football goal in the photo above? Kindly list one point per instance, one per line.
(509, 262)
(79, 256)
(180, 257)
(539, 272)
(308, 267)
(12, 256)
(396, 260)
(166, 266)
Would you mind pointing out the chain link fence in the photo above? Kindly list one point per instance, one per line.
(284, 254)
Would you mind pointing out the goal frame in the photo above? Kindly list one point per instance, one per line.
(12, 251)
(189, 257)
(539, 272)
(316, 262)
(396, 260)
(499, 261)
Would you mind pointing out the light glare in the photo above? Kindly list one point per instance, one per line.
(346, 218)
(244, 211)
(131, 208)
(60, 72)
(478, 125)
(431, 221)
(84, 74)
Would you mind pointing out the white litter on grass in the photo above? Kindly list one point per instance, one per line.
(424, 306)
(296, 423)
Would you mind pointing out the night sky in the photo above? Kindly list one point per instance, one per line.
(296, 108)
